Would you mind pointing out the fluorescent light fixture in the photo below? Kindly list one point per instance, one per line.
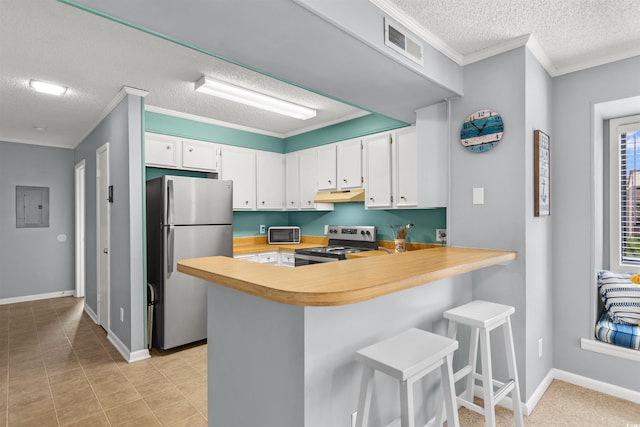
(254, 99)
(45, 87)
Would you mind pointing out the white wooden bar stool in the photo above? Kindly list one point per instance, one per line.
(483, 317)
(408, 357)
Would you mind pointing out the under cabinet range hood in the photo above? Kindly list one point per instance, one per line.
(340, 196)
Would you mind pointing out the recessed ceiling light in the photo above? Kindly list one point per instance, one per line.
(254, 99)
(46, 87)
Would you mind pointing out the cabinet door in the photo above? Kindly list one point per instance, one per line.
(326, 167)
(407, 168)
(308, 176)
(268, 258)
(200, 155)
(350, 164)
(292, 181)
(377, 161)
(238, 165)
(161, 150)
(269, 180)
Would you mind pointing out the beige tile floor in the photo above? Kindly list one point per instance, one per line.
(57, 368)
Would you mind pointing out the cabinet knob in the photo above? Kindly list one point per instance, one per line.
(191, 150)
(308, 202)
(371, 198)
(246, 202)
(402, 197)
(345, 181)
(168, 147)
(263, 202)
(292, 202)
(329, 181)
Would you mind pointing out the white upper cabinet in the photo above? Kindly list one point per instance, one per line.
(406, 183)
(161, 150)
(349, 164)
(292, 181)
(377, 160)
(179, 153)
(239, 166)
(199, 155)
(326, 167)
(269, 180)
(408, 168)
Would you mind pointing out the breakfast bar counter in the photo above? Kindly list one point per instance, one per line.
(339, 283)
(281, 340)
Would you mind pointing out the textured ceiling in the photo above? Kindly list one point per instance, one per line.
(96, 57)
(573, 34)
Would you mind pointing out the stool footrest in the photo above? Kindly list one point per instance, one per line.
(461, 373)
(504, 390)
(470, 405)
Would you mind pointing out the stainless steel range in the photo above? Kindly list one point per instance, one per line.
(343, 240)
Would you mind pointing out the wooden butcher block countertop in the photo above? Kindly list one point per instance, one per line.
(344, 282)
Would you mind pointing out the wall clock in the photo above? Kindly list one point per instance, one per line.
(481, 131)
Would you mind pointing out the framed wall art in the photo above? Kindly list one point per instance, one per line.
(541, 174)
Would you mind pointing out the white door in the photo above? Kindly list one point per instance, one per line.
(102, 208)
(239, 166)
(269, 180)
(80, 228)
(377, 160)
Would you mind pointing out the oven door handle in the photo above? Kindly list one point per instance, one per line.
(315, 258)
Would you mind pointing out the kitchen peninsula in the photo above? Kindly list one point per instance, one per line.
(281, 340)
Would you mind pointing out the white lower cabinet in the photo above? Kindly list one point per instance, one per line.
(287, 259)
(281, 258)
(268, 258)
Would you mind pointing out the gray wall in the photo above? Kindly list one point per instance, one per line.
(538, 234)
(122, 129)
(497, 83)
(32, 260)
(575, 248)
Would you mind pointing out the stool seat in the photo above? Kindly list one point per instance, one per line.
(408, 357)
(407, 354)
(480, 314)
(483, 317)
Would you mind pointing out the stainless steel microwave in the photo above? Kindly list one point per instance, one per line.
(284, 235)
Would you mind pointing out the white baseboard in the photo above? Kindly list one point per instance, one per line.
(602, 387)
(90, 313)
(130, 357)
(37, 297)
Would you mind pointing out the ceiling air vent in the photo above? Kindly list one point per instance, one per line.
(401, 42)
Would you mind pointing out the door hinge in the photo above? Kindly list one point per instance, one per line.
(390, 139)
(391, 198)
(362, 180)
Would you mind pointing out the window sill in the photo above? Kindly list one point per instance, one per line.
(609, 349)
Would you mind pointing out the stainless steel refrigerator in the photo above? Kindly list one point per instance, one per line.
(186, 218)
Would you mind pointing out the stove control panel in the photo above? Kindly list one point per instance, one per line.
(360, 233)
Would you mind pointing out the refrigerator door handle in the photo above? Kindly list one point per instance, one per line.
(169, 202)
(170, 230)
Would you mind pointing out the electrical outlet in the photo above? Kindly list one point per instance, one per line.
(540, 348)
(354, 417)
(263, 229)
(121, 314)
(441, 235)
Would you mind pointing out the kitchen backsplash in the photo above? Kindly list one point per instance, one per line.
(312, 223)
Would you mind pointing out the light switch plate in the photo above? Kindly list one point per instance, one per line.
(478, 196)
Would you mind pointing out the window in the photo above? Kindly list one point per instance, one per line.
(625, 193)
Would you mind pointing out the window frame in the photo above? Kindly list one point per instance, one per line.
(618, 126)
